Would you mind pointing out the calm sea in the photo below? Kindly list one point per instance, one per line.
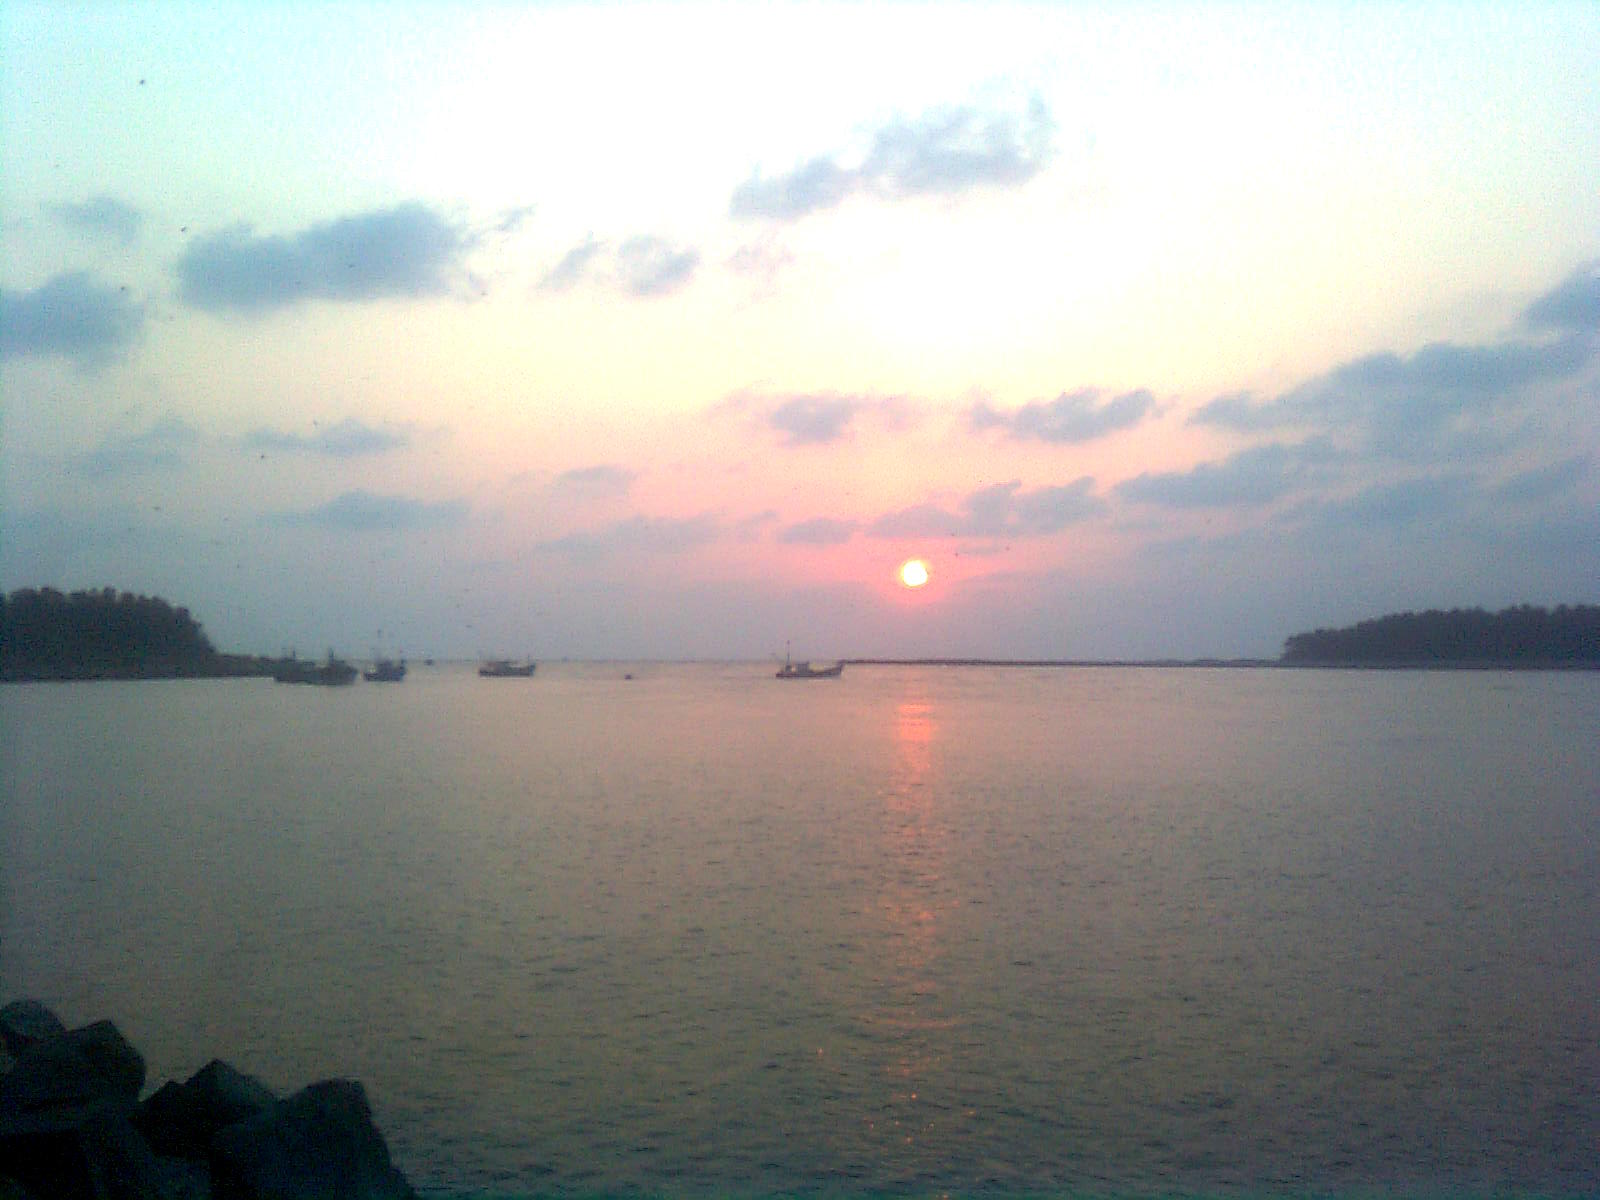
(915, 931)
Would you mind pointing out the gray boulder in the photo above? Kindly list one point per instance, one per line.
(112, 1058)
(72, 1127)
(319, 1144)
(24, 1022)
(64, 1128)
(58, 1083)
(101, 1158)
(181, 1118)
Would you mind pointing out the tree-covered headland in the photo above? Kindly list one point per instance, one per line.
(1524, 636)
(106, 634)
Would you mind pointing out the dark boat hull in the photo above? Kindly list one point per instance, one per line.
(328, 674)
(806, 671)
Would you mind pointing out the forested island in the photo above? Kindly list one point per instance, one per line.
(1523, 636)
(106, 634)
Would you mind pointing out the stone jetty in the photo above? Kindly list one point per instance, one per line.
(73, 1125)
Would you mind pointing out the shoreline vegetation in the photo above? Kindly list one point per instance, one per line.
(50, 636)
(1523, 637)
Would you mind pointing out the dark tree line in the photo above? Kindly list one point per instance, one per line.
(1568, 635)
(106, 634)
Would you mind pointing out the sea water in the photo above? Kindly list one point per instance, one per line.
(914, 931)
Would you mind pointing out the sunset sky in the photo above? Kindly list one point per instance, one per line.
(615, 331)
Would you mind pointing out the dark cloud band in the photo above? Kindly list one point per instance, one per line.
(72, 316)
(1079, 416)
(1000, 510)
(368, 512)
(943, 152)
(406, 251)
(1423, 404)
(349, 438)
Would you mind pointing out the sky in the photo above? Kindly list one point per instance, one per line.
(625, 331)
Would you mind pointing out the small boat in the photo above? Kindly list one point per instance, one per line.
(804, 670)
(504, 668)
(386, 670)
(333, 673)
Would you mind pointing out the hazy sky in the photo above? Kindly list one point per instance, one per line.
(612, 330)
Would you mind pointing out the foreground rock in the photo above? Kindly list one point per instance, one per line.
(24, 1022)
(72, 1127)
(320, 1144)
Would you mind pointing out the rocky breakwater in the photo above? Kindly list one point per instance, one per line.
(72, 1125)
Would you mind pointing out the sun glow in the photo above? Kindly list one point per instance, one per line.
(913, 573)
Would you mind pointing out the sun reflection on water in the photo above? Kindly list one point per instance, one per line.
(910, 1015)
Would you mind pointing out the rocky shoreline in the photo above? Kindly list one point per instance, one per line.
(72, 1125)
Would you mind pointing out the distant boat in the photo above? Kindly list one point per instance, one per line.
(804, 670)
(333, 673)
(504, 668)
(386, 670)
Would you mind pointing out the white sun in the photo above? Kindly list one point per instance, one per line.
(913, 573)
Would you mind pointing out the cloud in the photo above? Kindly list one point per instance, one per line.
(160, 447)
(348, 438)
(1000, 510)
(70, 317)
(405, 251)
(761, 260)
(808, 420)
(1543, 483)
(1438, 397)
(1572, 306)
(752, 528)
(1429, 498)
(638, 535)
(943, 152)
(1236, 410)
(1397, 402)
(1250, 477)
(101, 216)
(1078, 416)
(575, 264)
(954, 149)
(815, 418)
(512, 220)
(1437, 382)
(602, 480)
(643, 266)
(361, 511)
(811, 187)
(652, 266)
(823, 531)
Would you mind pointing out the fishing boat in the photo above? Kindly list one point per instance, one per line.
(804, 670)
(504, 668)
(386, 670)
(333, 673)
